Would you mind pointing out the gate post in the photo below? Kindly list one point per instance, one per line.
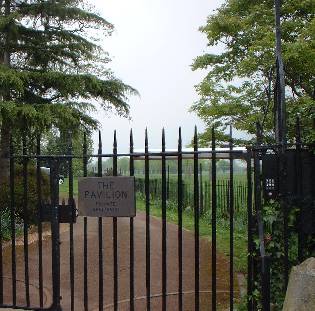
(54, 192)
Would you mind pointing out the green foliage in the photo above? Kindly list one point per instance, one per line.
(273, 220)
(55, 65)
(56, 142)
(274, 243)
(32, 207)
(240, 81)
(5, 224)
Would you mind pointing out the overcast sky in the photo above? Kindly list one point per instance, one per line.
(152, 48)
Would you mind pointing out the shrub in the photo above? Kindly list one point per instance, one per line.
(31, 215)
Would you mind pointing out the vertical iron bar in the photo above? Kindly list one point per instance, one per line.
(1, 259)
(54, 191)
(249, 234)
(168, 183)
(299, 179)
(180, 221)
(196, 219)
(85, 229)
(132, 291)
(13, 220)
(165, 194)
(231, 212)
(70, 202)
(214, 222)
(147, 209)
(201, 197)
(25, 222)
(100, 233)
(257, 188)
(280, 82)
(115, 239)
(281, 134)
(40, 227)
(284, 205)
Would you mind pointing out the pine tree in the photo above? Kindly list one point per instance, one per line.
(51, 68)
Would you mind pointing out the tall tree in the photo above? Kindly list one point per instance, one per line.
(240, 81)
(53, 67)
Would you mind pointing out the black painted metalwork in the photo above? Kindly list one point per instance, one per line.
(180, 220)
(231, 212)
(25, 223)
(214, 222)
(115, 228)
(55, 234)
(196, 220)
(250, 237)
(72, 213)
(100, 234)
(40, 229)
(147, 223)
(13, 221)
(202, 194)
(85, 230)
(1, 260)
(132, 255)
(280, 82)
(165, 193)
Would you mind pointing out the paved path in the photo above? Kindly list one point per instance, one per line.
(123, 255)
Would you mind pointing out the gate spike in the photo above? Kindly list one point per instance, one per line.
(179, 138)
(131, 139)
(99, 142)
(146, 139)
(196, 138)
(258, 133)
(38, 138)
(84, 144)
(70, 142)
(298, 131)
(213, 138)
(163, 138)
(100, 139)
(115, 171)
(115, 142)
(99, 160)
(11, 145)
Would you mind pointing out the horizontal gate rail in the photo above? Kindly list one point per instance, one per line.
(55, 162)
(206, 196)
(225, 154)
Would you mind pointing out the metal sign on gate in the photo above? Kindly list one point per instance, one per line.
(111, 196)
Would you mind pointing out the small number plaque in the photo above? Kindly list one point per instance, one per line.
(112, 196)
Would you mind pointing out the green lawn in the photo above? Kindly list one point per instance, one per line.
(64, 188)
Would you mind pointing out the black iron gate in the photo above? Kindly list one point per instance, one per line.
(47, 278)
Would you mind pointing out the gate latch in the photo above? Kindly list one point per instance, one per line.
(67, 212)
